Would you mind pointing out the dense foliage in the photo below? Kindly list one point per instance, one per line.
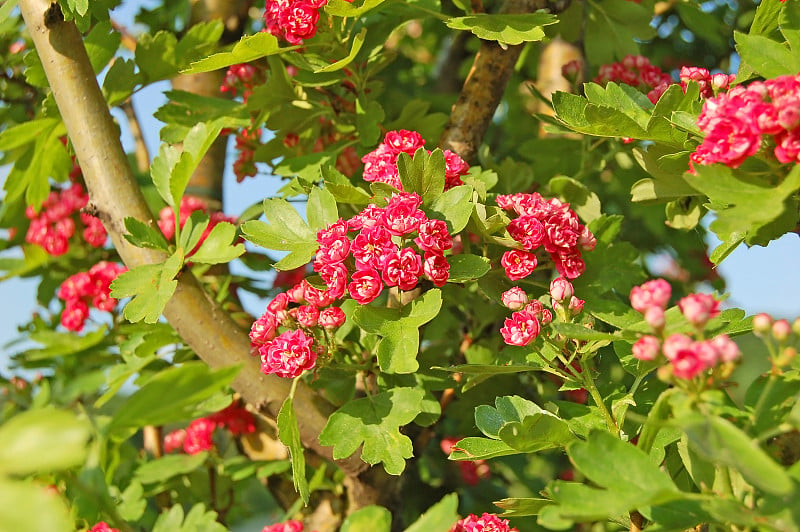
(460, 327)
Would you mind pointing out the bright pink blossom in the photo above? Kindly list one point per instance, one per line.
(436, 269)
(174, 441)
(655, 293)
(365, 286)
(646, 348)
(199, 436)
(332, 318)
(402, 269)
(102, 526)
(484, 523)
(518, 264)
(561, 289)
(521, 328)
(288, 355)
(288, 526)
(699, 308)
(434, 236)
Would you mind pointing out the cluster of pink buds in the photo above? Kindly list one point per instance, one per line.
(636, 71)
(197, 437)
(738, 123)
(56, 223)
(292, 20)
(777, 335)
(248, 140)
(485, 523)
(549, 224)
(83, 289)
(102, 526)
(242, 78)
(687, 357)
(189, 205)
(301, 311)
(288, 526)
(525, 324)
(380, 165)
(710, 84)
(472, 471)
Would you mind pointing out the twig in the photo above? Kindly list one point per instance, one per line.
(142, 155)
(484, 88)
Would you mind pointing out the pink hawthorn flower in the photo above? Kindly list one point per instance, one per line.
(174, 441)
(434, 236)
(288, 526)
(514, 298)
(332, 318)
(371, 246)
(402, 269)
(402, 215)
(646, 348)
(288, 355)
(521, 328)
(403, 141)
(561, 289)
(102, 526)
(264, 329)
(518, 264)
(365, 286)
(485, 523)
(306, 315)
(199, 436)
(436, 269)
(528, 231)
(655, 293)
(687, 364)
(699, 308)
(235, 418)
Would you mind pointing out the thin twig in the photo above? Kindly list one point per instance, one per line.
(142, 155)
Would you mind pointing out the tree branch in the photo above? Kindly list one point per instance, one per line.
(202, 324)
(484, 87)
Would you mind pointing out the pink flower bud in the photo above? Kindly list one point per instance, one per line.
(576, 305)
(332, 318)
(699, 308)
(727, 350)
(646, 348)
(561, 289)
(654, 316)
(781, 330)
(762, 323)
(675, 343)
(546, 317)
(655, 293)
(514, 298)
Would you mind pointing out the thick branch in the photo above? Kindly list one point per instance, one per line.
(202, 324)
(484, 87)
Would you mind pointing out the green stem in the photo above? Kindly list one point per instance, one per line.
(588, 383)
(762, 400)
(724, 475)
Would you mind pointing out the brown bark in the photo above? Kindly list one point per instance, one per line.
(484, 87)
(113, 190)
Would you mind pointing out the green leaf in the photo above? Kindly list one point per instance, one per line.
(790, 25)
(28, 506)
(480, 449)
(424, 174)
(340, 187)
(289, 434)
(27, 442)
(505, 29)
(399, 328)
(579, 332)
(454, 207)
(185, 110)
(343, 8)
(358, 42)
(537, 432)
(197, 520)
(285, 231)
(150, 286)
(248, 49)
(369, 115)
(466, 267)
(6, 9)
(374, 422)
(171, 395)
(720, 442)
(173, 167)
(583, 201)
(765, 56)
(143, 236)
(120, 81)
(439, 517)
(79, 6)
(101, 44)
(519, 507)
(756, 210)
(217, 247)
(26, 133)
(368, 519)
(490, 420)
(59, 344)
(613, 28)
(167, 467)
(619, 466)
(321, 209)
(155, 55)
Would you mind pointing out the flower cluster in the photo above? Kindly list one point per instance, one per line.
(242, 78)
(687, 357)
(83, 289)
(56, 223)
(710, 84)
(636, 71)
(292, 351)
(550, 224)
(292, 20)
(247, 140)
(485, 523)
(472, 471)
(189, 205)
(197, 437)
(288, 526)
(737, 123)
(380, 165)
